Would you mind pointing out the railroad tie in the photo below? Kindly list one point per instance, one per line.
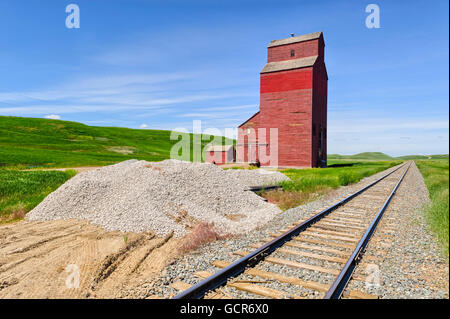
(274, 276)
(297, 244)
(253, 288)
(307, 254)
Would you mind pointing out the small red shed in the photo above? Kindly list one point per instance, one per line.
(219, 154)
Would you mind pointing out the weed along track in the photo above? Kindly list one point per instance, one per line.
(330, 244)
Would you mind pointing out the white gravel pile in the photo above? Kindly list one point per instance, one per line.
(258, 177)
(161, 196)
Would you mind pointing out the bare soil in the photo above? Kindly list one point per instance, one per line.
(37, 258)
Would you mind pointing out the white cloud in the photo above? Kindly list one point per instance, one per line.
(53, 117)
(143, 126)
(143, 92)
(198, 115)
(115, 81)
(382, 125)
(228, 108)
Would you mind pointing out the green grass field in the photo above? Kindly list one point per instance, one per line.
(40, 143)
(436, 175)
(21, 191)
(308, 184)
(30, 142)
(335, 175)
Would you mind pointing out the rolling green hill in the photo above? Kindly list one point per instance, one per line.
(33, 142)
(364, 156)
(424, 157)
(384, 157)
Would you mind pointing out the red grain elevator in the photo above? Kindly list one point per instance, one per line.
(293, 100)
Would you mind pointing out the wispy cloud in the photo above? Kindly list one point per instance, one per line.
(114, 93)
(53, 117)
(229, 108)
(383, 125)
(221, 112)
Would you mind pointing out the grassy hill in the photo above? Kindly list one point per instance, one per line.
(33, 142)
(424, 157)
(378, 156)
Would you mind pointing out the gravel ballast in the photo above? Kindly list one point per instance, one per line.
(409, 262)
(136, 196)
(415, 269)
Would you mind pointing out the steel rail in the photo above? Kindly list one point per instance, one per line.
(236, 268)
(337, 288)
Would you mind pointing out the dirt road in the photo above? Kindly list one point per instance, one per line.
(75, 259)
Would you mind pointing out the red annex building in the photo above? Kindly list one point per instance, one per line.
(293, 99)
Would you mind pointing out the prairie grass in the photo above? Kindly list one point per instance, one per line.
(309, 184)
(21, 191)
(436, 176)
(32, 142)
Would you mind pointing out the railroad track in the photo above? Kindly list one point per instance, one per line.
(329, 245)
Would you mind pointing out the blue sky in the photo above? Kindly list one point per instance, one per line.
(163, 64)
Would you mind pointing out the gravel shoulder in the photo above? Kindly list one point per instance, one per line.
(410, 263)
